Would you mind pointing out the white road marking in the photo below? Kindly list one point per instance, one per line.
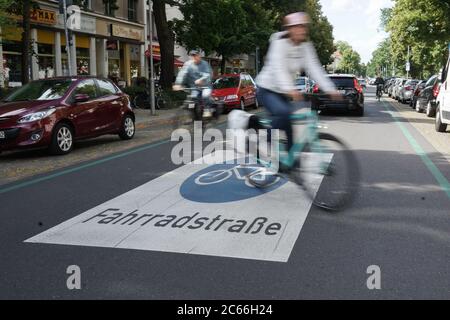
(156, 216)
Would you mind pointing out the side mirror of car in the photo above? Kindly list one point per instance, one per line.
(81, 97)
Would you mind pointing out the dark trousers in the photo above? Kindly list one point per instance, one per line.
(280, 108)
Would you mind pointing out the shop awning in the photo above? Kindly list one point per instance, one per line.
(176, 62)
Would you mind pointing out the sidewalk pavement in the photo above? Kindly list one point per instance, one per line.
(440, 141)
(144, 118)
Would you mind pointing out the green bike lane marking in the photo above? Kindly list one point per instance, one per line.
(437, 174)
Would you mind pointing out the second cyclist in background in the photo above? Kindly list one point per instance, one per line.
(379, 82)
(197, 73)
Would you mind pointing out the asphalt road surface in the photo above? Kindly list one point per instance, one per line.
(399, 223)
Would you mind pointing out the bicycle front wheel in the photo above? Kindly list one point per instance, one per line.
(183, 118)
(328, 172)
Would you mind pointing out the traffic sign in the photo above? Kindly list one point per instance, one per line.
(408, 66)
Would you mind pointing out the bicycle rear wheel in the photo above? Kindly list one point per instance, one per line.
(141, 101)
(328, 172)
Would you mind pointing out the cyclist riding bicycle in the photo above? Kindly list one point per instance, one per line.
(379, 82)
(196, 73)
(289, 53)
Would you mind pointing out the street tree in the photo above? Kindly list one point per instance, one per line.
(381, 58)
(351, 60)
(424, 26)
(23, 8)
(166, 41)
(223, 27)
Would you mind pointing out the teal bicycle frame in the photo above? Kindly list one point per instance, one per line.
(310, 137)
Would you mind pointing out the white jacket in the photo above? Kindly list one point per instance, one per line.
(285, 60)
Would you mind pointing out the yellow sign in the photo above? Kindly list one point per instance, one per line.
(126, 32)
(156, 49)
(44, 16)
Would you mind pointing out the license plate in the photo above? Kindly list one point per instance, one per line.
(342, 91)
(191, 105)
(2, 135)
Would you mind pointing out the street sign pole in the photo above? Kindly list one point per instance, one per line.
(152, 77)
(408, 66)
(257, 60)
(66, 30)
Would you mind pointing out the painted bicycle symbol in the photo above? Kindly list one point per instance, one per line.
(241, 172)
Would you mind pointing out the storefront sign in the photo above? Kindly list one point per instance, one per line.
(126, 32)
(156, 49)
(87, 25)
(43, 16)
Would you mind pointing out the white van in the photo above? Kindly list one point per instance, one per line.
(443, 100)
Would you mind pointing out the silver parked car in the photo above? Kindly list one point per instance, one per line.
(397, 87)
(406, 92)
(391, 87)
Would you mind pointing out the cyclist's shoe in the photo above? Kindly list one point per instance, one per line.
(284, 168)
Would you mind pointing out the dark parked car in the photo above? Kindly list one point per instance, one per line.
(55, 112)
(352, 91)
(426, 101)
(417, 89)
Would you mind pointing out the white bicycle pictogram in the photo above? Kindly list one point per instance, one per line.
(218, 176)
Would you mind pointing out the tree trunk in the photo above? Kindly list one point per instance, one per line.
(166, 43)
(223, 64)
(26, 34)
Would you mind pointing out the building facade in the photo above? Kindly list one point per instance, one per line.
(107, 43)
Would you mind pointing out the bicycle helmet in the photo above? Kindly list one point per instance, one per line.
(295, 19)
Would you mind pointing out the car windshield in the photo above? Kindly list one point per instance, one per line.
(412, 82)
(431, 81)
(226, 82)
(341, 82)
(40, 90)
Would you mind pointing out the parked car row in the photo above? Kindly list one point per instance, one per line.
(431, 96)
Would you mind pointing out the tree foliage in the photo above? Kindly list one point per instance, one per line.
(425, 27)
(225, 27)
(351, 60)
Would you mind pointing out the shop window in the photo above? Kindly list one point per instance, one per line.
(12, 69)
(114, 69)
(12, 46)
(46, 60)
(12, 63)
(110, 7)
(132, 12)
(82, 61)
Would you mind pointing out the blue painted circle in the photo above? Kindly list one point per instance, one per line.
(221, 183)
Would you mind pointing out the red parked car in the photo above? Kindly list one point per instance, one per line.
(235, 90)
(55, 112)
